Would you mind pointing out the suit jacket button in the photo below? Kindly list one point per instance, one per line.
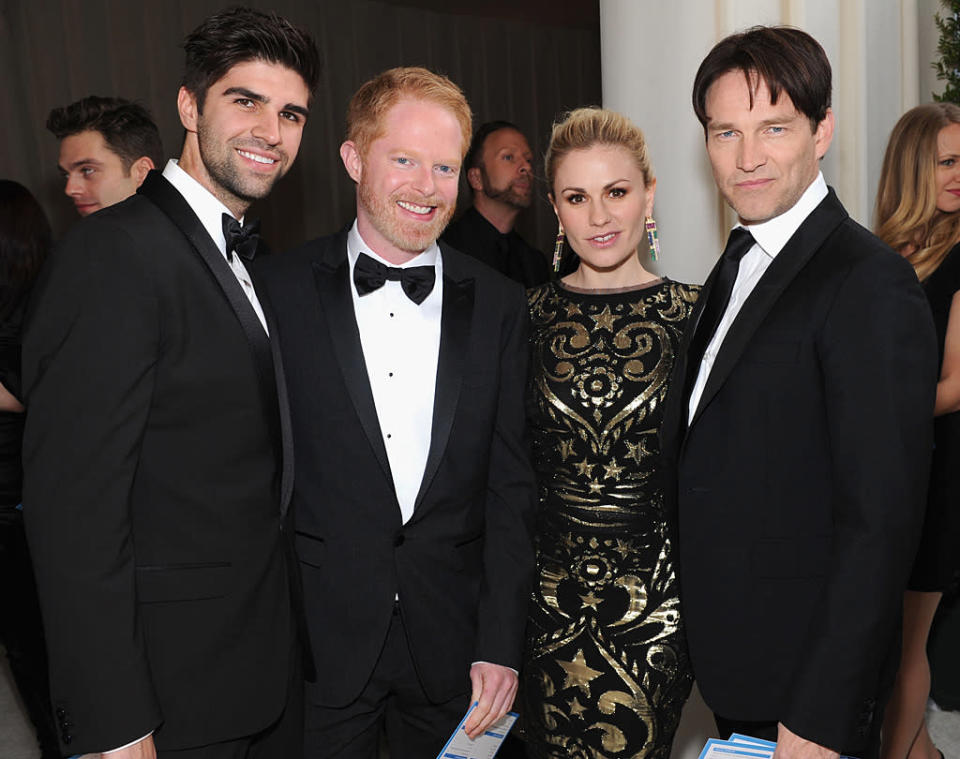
(398, 539)
(66, 738)
(60, 712)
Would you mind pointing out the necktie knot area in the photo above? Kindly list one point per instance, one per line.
(416, 281)
(242, 240)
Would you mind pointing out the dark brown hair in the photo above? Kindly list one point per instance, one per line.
(785, 59)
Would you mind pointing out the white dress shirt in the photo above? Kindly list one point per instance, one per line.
(770, 238)
(401, 345)
(210, 211)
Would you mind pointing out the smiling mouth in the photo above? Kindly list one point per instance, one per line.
(415, 207)
(258, 158)
(603, 238)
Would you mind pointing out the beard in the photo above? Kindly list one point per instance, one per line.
(510, 195)
(224, 167)
(407, 235)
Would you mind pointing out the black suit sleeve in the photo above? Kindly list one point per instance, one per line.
(90, 355)
(878, 359)
(508, 548)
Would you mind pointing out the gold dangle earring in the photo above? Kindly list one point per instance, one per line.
(558, 248)
(653, 239)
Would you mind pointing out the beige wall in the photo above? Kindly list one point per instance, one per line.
(881, 52)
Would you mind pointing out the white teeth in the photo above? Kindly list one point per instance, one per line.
(414, 208)
(257, 158)
(604, 238)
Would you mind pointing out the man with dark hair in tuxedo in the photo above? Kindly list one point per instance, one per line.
(803, 422)
(107, 147)
(499, 172)
(406, 366)
(157, 467)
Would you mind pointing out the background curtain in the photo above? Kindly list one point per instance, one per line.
(524, 62)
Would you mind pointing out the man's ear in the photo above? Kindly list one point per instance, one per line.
(140, 168)
(475, 179)
(352, 161)
(824, 133)
(187, 108)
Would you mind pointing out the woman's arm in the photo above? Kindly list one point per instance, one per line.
(948, 388)
(9, 403)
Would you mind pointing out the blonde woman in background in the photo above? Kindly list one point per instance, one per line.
(917, 214)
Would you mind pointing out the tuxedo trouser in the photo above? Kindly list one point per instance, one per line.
(392, 700)
(281, 740)
(870, 748)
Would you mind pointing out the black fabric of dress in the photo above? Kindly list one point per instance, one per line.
(21, 630)
(508, 253)
(606, 671)
(938, 557)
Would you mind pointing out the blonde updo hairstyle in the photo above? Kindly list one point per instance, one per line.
(907, 217)
(583, 128)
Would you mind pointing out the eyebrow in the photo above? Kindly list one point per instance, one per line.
(724, 126)
(256, 96)
(81, 162)
(607, 186)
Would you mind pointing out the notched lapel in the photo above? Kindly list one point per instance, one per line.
(458, 296)
(800, 248)
(332, 278)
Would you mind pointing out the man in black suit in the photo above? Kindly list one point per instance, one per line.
(406, 365)
(804, 422)
(499, 173)
(156, 461)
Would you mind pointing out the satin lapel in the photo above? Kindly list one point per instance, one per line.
(455, 324)
(806, 241)
(286, 427)
(332, 277)
(166, 197)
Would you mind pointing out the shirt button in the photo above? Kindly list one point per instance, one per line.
(389, 374)
(389, 436)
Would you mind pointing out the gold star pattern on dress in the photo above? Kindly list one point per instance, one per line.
(578, 673)
(635, 451)
(612, 470)
(623, 548)
(590, 600)
(605, 319)
(576, 708)
(573, 310)
(584, 468)
(566, 449)
(595, 487)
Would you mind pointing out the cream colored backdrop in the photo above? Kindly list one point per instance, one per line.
(881, 52)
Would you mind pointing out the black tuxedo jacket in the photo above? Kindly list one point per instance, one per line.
(153, 497)
(802, 480)
(462, 564)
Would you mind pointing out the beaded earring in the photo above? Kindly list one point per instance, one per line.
(558, 248)
(653, 239)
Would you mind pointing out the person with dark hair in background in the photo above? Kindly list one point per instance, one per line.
(499, 174)
(107, 146)
(406, 364)
(157, 465)
(801, 428)
(918, 215)
(24, 243)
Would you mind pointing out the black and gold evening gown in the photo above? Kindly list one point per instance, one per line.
(605, 672)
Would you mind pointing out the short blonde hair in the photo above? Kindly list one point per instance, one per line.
(906, 214)
(585, 127)
(370, 103)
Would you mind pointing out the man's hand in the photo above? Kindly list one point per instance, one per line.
(494, 688)
(792, 746)
(140, 750)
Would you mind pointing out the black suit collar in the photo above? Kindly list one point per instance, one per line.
(169, 200)
(801, 247)
(332, 276)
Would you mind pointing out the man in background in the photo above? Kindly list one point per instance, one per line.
(498, 167)
(107, 146)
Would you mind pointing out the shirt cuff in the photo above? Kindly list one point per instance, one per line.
(128, 745)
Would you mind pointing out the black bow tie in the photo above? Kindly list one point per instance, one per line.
(243, 240)
(416, 281)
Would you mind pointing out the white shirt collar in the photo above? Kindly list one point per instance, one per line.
(357, 245)
(204, 203)
(773, 234)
